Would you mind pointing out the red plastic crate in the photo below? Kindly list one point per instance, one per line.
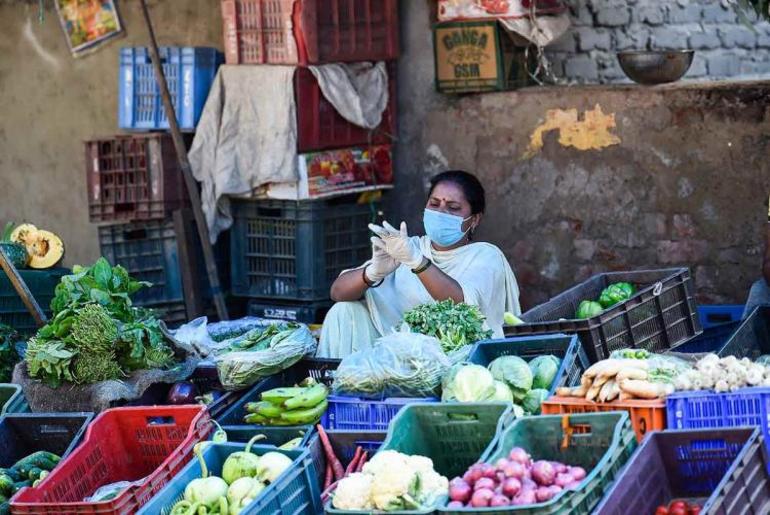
(121, 444)
(309, 31)
(133, 177)
(321, 127)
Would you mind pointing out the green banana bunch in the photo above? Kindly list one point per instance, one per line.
(289, 406)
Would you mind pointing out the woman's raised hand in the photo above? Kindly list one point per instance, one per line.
(382, 264)
(397, 244)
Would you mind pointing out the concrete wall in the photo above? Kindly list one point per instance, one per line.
(50, 103)
(725, 47)
(680, 178)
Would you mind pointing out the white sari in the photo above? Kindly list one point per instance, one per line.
(481, 270)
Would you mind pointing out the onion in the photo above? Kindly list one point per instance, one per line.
(520, 455)
(500, 500)
(572, 486)
(182, 393)
(528, 484)
(485, 484)
(454, 505)
(459, 490)
(555, 489)
(563, 480)
(560, 468)
(511, 487)
(501, 463)
(488, 471)
(543, 494)
(543, 473)
(515, 469)
(524, 498)
(481, 498)
(578, 473)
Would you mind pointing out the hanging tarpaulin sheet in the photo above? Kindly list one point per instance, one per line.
(88, 23)
(454, 10)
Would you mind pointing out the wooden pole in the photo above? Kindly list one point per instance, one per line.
(184, 163)
(21, 288)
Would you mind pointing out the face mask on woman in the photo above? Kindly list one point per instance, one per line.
(442, 228)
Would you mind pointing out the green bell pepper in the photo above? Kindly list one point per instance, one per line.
(615, 293)
(588, 309)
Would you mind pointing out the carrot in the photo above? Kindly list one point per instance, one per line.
(327, 492)
(352, 465)
(328, 476)
(339, 471)
(362, 461)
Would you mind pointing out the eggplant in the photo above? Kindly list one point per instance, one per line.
(182, 393)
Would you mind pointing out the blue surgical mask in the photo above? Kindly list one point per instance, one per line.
(442, 228)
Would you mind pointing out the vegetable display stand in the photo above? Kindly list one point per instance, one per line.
(344, 444)
(25, 433)
(567, 348)
(121, 444)
(645, 415)
(41, 284)
(712, 339)
(294, 492)
(752, 338)
(289, 250)
(12, 399)
(724, 471)
(453, 435)
(189, 72)
(303, 312)
(134, 177)
(658, 317)
(358, 414)
(712, 315)
(309, 31)
(601, 443)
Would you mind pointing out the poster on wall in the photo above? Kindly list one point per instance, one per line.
(88, 23)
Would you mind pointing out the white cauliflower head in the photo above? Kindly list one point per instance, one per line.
(395, 489)
(385, 460)
(354, 493)
(432, 485)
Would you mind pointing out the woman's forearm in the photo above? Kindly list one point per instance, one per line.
(349, 287)
(440, 285)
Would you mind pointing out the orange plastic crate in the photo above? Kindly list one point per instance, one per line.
(151, 444)
(646, 415)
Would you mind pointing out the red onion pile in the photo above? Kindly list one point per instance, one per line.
(512, 481)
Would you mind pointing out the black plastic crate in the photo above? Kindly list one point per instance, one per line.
(284, 249)
(22, 434)
(304, 312)
(661, 315)
(752, 338)
(41, 283)
(712, 339)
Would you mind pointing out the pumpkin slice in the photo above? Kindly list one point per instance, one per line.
(45, 249)
(22, 233)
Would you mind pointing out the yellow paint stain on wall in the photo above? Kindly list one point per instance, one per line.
(590, 133)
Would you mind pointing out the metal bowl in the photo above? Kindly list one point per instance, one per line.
(655, 66)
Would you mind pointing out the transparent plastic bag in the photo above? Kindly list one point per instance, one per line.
(210, 339)
(401, 364)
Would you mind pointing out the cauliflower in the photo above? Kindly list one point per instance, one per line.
(386, 460)
(432, 486)
(395, 489)
(354, 493)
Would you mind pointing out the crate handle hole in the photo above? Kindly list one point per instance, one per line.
(270, 212)
(135, 234)
(160, 421)
(462, 417)
(123, 207)
(53, 429)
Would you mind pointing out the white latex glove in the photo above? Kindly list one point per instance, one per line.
(398, 244)
(381, 265)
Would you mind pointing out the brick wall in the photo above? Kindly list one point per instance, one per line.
(725, 47)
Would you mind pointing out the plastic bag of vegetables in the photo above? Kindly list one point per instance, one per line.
(264, 353)
(398, 365)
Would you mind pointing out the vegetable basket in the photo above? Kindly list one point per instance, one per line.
(723, 470)
(146, 445)
(565, 347)
(659, 316)
(646, 414)
(12, 399)
(294, 492)
(22, 434)
(599, 442)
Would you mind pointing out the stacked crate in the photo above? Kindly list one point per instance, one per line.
(286, 250)
(136, 192)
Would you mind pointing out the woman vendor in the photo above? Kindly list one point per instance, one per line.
(405, 271)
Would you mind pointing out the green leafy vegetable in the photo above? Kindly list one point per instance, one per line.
(513, 371)
(468, 383)
(49, 361)
(454, 325)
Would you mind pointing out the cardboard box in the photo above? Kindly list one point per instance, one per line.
(332, 173)
(455, 10)
(480, 56)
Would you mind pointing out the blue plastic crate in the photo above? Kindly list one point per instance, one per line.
(354, 413)
(189, 72)
(712, 339)
(715, 314)
(574, 360)
(295, 492)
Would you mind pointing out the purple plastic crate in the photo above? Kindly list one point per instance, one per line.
(364, 414)
(725, 471)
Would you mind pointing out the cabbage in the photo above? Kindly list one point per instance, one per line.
(544, 369)
(533, 400)
(468, 383)
(518, 411)
(502, 392)
(513, 371)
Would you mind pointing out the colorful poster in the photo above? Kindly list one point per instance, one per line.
(87, 23)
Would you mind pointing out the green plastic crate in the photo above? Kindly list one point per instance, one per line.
(453, 435)
(12, 399)
(601, 443)
(41, 284)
